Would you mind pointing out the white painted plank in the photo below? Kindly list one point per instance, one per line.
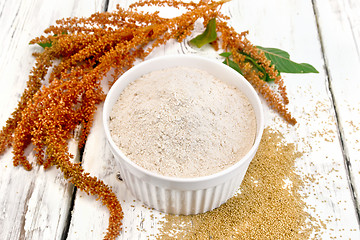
(340, 30)
(289, 25)
(90, 218)
(139, 221)
(34, 204)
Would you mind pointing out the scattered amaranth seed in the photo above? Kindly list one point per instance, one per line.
(269, 204)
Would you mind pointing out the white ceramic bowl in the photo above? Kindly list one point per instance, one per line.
(183, 195)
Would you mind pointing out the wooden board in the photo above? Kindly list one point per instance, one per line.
(339, 29)
(35, 204)
(292, 26)
(326, 34)
(289, 25)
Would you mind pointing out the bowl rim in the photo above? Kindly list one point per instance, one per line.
(113, 90)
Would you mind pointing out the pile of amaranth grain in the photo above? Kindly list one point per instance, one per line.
(269, 204)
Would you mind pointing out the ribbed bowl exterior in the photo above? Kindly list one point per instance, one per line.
(179, 201)
(183, 195)
(183, 201)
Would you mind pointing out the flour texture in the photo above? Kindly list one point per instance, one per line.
(183, 122)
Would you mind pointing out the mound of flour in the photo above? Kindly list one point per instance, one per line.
(183, 122)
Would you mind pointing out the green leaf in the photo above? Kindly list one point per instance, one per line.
(282, 62)
(46, 44)
(208, 36)
(225, 54)
(49, 44)
(236, 67)
(230, 62)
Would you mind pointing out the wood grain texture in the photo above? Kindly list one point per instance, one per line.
(339, 22)
(90, 218)
(34, 204)
(139, 222)
(289, 25)
(292, 26)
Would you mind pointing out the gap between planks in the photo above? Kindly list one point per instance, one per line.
(65, 233)
(347, 163)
